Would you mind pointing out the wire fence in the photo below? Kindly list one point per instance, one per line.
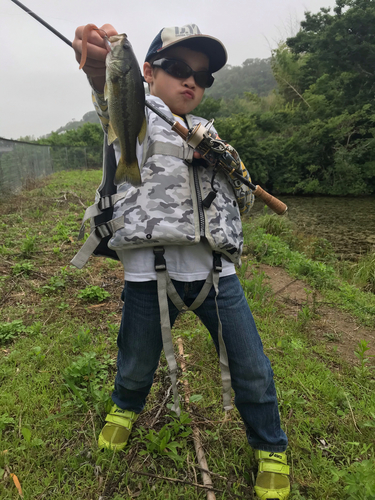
(22, 163)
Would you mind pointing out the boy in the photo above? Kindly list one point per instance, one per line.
(171, 242)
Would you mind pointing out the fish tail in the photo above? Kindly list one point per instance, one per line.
(128, 172)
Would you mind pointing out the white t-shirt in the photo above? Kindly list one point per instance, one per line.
(184, 263)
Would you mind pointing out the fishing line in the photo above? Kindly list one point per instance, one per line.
(39, 19)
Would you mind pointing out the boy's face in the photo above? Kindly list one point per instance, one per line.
(180, 95)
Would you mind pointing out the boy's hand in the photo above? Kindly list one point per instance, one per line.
(96, 53)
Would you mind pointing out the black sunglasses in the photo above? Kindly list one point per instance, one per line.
(179, 69)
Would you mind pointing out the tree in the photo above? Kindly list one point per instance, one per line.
(342, 46)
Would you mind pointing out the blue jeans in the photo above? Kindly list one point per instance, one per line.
(140, 345)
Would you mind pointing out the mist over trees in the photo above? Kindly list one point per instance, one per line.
(254, 75)
(303, 121)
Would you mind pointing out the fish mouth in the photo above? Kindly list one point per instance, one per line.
(188, 93)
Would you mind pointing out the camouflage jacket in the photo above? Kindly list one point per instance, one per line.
(167, 208)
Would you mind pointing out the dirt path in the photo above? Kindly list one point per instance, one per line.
(333, 326)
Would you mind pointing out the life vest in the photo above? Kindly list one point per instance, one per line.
(167, 208)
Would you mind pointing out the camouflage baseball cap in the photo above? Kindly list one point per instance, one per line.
(191, 37)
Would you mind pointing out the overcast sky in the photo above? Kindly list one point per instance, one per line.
(40, 84)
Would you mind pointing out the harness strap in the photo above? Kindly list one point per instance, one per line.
(99, 232)
(183, 152)
(97, 208)
(167, 289)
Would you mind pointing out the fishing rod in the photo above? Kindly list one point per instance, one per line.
(219, 154)
(213, 150)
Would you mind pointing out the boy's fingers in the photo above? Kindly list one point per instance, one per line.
(94, 52)
(109, 29)
(96, 49)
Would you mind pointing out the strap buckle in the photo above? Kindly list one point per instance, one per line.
(217, 264)
(103, 230)
(105, 202)
(160, 263)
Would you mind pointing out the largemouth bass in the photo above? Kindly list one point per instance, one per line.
(125, 95)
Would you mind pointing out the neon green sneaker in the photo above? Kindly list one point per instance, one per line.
(116, 432)
(272, 481)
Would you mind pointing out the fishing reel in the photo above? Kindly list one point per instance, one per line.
(215, 151)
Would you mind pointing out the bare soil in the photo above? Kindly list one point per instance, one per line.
(337, 328)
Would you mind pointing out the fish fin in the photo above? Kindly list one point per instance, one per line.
(112, 136)
(142, 132)
(128, 173)
(105, 92)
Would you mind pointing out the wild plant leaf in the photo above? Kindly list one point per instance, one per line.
(26, 433)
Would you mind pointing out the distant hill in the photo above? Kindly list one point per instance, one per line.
(254, 75)
(89, 117)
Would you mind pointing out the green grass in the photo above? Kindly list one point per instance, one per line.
(57, 366)
(318, 268)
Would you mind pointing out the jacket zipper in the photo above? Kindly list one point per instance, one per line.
(199, 202)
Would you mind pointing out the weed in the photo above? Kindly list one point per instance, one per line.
(24, 268)
(111, 263)
(26, 433)
(37, 213)
(359, 480)
(363, 370)
(63, 306)
(82, 338)
(304, 316)
(6, 421)
(8, 331)
(86, 376)
(195, 398)
(63, 233)
(4, 250)
(112, 328)
(164, 442)
(38, 356)
(321, 249)
(93, 293)
(212, 435)
(28, 246)
(87, 369)
(35, 328)
(55, 284)
(274, 224)
(365, 273)
(256, 291)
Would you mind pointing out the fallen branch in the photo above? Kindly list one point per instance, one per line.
(351, 411)
(175, 480)
(161, 407)
(197, 441)
(64, 193)
(183, 481)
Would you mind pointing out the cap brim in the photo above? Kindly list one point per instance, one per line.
(209, 45)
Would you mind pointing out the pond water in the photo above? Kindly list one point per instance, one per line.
(347, 223)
